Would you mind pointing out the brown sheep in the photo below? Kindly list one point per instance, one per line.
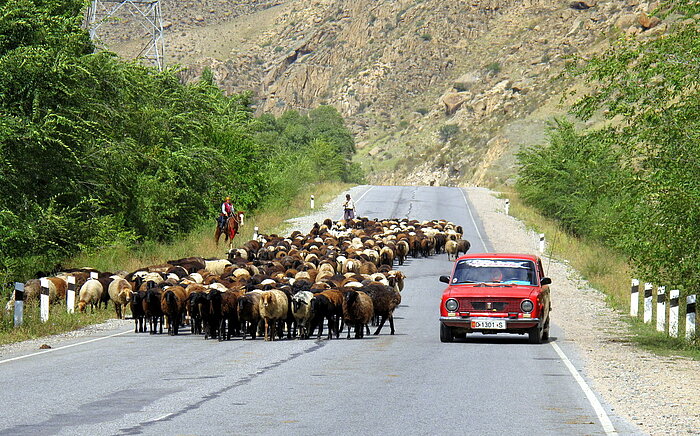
(327, 305)
(385, 300)
(358, 310)
(172, 303)
(229, 315)
(402, 249)
(463, 246)
(249, 312)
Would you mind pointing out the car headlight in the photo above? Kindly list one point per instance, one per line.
(527, 306)
(451, 305)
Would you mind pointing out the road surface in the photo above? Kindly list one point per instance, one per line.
(410, 383)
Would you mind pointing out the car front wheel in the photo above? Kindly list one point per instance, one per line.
(446, 334)
(535, 334)
(545, 331)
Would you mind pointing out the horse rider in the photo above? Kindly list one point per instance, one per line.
(227, 211)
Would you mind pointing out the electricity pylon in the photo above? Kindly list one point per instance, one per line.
(145, 12)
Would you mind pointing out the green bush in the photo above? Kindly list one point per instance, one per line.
(98, 152)
(448, 131)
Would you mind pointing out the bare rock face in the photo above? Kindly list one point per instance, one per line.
(626, 21)
(648, 22)
(453, 101)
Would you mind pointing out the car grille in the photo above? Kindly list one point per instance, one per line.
(488, 305)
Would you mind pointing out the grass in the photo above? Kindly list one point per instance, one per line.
(269, 219)
(609, 272)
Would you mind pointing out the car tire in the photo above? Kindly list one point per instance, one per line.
(446, 334)
(535, 334)
(545, 331)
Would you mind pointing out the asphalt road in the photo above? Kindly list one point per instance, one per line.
(409, 383)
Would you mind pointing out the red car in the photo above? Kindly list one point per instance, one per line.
(496, 293)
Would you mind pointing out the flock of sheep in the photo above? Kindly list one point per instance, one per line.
(340, 273)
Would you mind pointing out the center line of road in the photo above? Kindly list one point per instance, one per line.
(602, 415)
(63, 348)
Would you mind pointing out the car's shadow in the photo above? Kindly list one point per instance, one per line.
(477, 338)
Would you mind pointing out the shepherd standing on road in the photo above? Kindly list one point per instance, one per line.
(349, 207)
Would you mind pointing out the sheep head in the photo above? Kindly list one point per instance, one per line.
(81, 306)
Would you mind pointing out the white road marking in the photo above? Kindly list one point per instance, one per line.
(63, 348)
(602, 415)
(478, 233)
(168, 415)
(365, 193)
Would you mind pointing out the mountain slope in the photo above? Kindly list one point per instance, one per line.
(434, 91)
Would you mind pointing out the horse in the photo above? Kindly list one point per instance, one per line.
(230, 228)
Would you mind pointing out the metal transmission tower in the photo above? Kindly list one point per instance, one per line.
(147, 15)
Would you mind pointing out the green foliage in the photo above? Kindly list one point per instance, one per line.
(634, 184)
(493, 68)
(447, 131)
(96, 152)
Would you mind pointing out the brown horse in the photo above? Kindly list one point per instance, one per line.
(230, 229)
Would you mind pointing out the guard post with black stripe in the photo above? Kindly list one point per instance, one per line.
(673, 313)
(70, 295)
(19, 304)
(44, 296)
(661, 309)
(690, 316)
(634, 298)
(647, 302)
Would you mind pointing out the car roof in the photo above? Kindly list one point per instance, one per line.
(522, 256)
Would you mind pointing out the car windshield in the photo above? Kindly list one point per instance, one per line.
(508, 271)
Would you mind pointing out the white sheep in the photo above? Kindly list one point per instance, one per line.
(120, 294)
(90, 293)
(273, 307)
(216, 266)
(301, 309)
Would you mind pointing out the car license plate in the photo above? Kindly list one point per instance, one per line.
(495, 324)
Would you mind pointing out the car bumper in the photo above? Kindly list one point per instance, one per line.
(512, 324)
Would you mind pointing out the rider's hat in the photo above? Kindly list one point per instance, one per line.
(228, 198)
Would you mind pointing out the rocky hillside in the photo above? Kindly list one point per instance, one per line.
(435, 91)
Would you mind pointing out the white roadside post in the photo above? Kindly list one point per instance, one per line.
(44, 309)
(70, 295)
(690, 316)
(541, 243)
(19, 304)
(507, 207)
(93, 276)
(673, 313)
(661, 309)
(255, 233)
(634, 298)
(647, 302)
(312, 202)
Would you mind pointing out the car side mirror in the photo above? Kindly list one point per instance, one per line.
(445, 279)
(545, 281)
